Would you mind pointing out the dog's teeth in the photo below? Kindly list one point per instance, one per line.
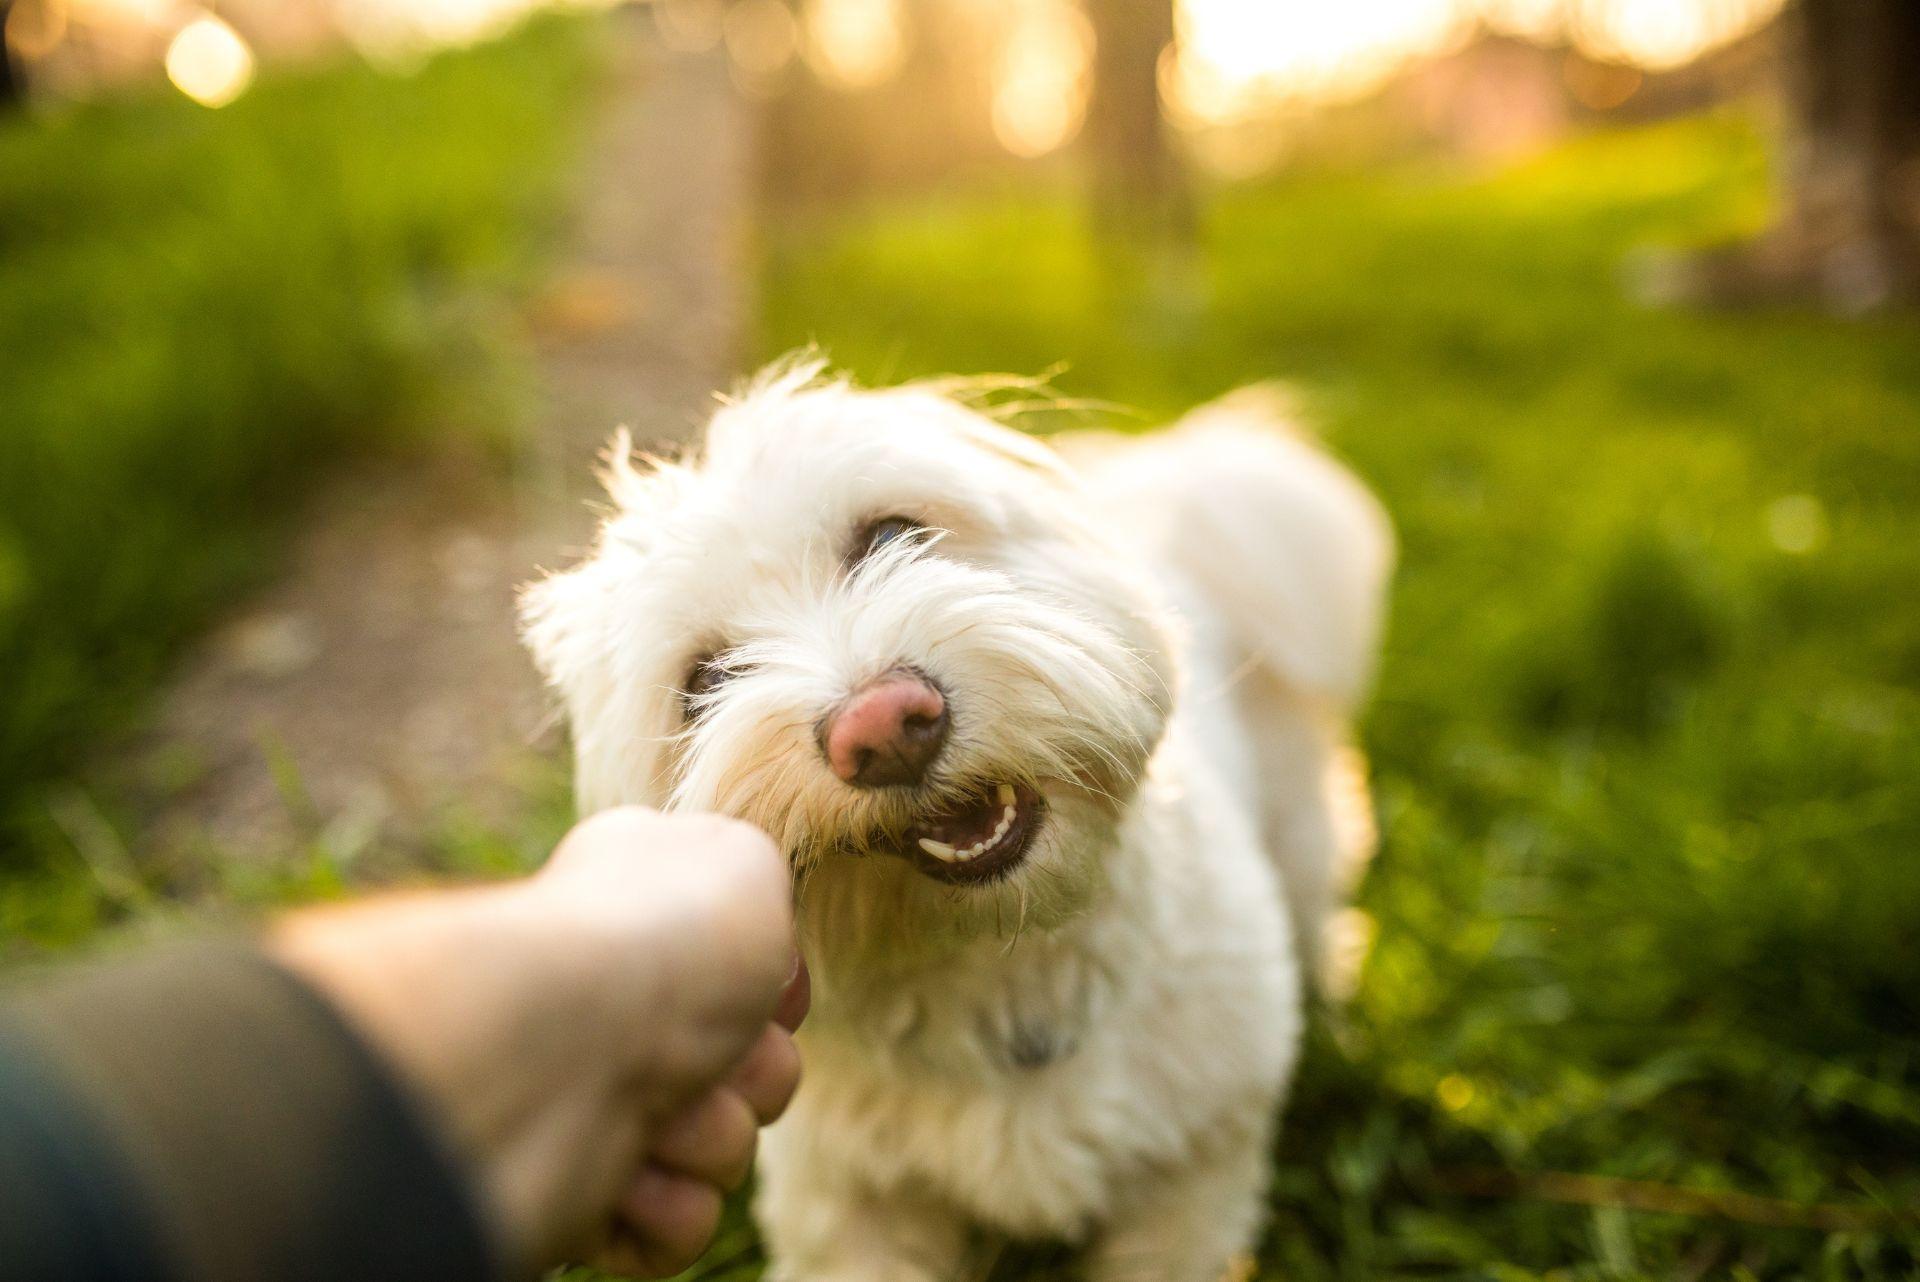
(1009, 802)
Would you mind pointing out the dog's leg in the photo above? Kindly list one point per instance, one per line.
(839, 1235)
(1187, 1225)
(1315, 814)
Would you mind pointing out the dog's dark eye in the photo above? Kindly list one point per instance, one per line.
(877, 534)
(706, 676)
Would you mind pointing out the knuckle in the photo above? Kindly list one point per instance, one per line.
(741, 841)
(702, 1218)
(605, 832)
(739, 1127)
(740, 1163)
(622, 821)
(772, 1076)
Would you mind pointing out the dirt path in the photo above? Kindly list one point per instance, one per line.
(379, 685)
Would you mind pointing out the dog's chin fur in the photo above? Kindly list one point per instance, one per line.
(1088, 1036)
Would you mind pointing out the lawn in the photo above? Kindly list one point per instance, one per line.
(200, 311)
(1647, 737)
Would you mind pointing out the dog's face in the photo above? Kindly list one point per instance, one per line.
(883, 628)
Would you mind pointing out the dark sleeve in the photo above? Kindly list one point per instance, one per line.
(199, 1115)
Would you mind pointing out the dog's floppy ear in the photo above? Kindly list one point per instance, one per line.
(565, 619)
(579, 624)
(570, 620)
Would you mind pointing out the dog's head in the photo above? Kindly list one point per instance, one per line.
(884, 628)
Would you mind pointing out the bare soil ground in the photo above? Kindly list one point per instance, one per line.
(379, 683)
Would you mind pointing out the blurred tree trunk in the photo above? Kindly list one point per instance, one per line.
(1849, 235)
(1854, 168)
(1139, 186)
(12, 86)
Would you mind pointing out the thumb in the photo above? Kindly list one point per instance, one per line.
(692, 918)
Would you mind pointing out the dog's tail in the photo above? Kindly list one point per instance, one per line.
(1289, 557)
(1292, 551)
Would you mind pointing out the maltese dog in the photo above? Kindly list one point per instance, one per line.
(1056, 738)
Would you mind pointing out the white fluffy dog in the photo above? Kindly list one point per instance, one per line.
(1058, 752)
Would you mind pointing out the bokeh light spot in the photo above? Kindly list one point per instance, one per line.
(761, 37)
(1797, 524)
(209, 61)
(689, 26)
(1040, 79)
(1455, 1092)
(34, 29)
(855, 44)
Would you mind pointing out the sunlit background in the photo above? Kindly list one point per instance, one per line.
(1234, 61)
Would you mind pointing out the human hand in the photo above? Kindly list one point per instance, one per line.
(602, 1039)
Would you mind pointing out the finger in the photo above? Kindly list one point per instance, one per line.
(711, 1139)
(668, 1220)
(625, 1256)
(796, 998)
(769, 1075)
(628, 1256)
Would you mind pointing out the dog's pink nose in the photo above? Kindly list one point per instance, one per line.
(888, 732)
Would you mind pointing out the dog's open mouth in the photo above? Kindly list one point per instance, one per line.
(980, 841)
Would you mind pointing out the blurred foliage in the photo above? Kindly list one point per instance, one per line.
(1647, 741)
(101, 892)
(199, 310)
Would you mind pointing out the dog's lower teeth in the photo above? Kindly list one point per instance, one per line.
(985, 842)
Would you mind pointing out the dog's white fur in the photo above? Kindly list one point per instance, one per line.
(1095, 1046)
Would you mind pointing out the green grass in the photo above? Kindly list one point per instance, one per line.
(1648, 905)
(201, 310)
